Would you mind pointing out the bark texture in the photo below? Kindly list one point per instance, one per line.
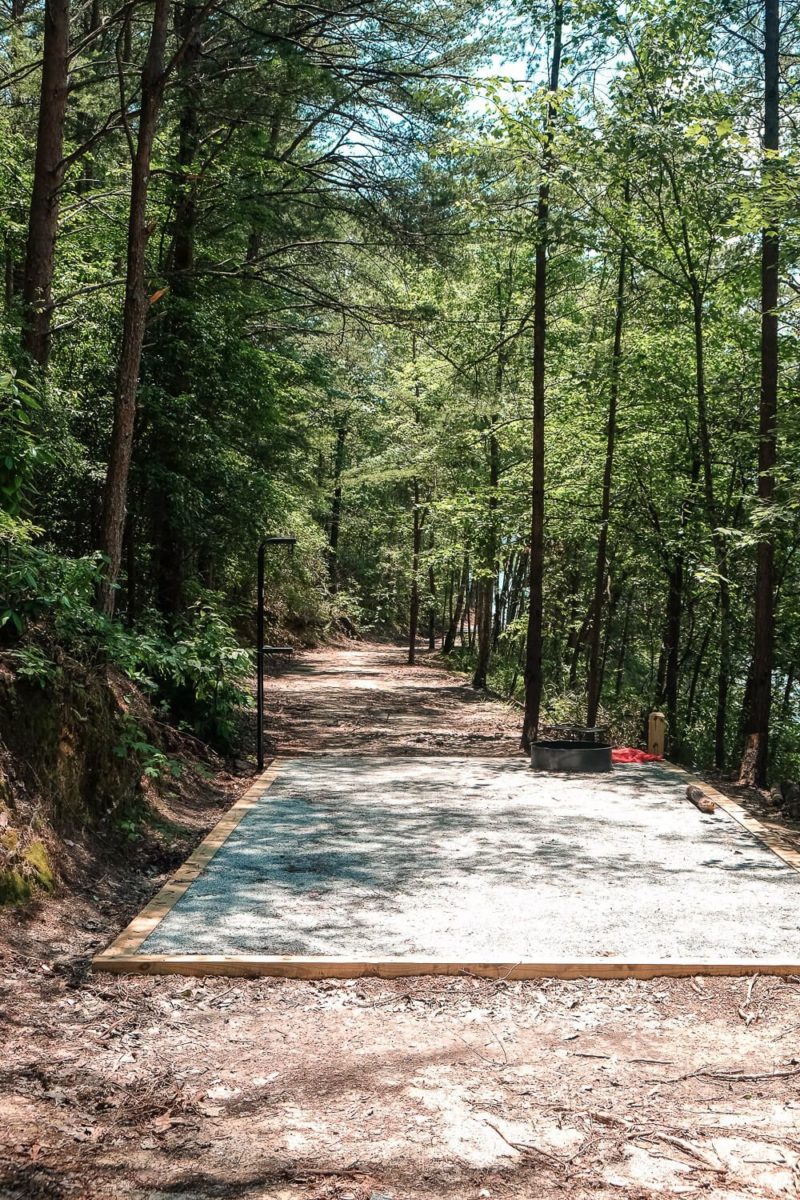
(173, 556)
(756, 733)
(416, 550)
(593, 686)
(533, 653)
(135, 312)
(336, 509)
(48, 176)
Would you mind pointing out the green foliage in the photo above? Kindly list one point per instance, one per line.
(19, 452)
(200, 677)
(34, 666)
(196, 673)
(133, 743)
(130, 827)
(344, 233)
(39, 585)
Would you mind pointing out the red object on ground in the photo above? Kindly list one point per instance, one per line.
(629, 754)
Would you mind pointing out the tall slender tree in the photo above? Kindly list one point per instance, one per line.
(153, 80)
(48, 176)
(533, 653)
(599, 592)
(756, 740)
(335, 519)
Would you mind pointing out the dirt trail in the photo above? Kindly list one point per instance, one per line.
(370, 1090)
(365, 699)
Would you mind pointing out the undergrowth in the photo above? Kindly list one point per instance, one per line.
(194, 672)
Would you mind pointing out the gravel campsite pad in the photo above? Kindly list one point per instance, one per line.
(382, 856)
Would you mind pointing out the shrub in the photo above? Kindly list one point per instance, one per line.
(200, 677)
(195, 673)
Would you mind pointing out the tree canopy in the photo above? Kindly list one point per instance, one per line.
(494, 307)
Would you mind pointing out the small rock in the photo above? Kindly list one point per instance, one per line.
(222, 1093)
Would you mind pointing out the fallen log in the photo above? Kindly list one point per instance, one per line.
(699, 799)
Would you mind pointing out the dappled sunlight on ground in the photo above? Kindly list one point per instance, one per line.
(466, 859)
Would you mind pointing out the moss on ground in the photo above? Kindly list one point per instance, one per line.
(24, 870)
(14, 887)
(37, 858)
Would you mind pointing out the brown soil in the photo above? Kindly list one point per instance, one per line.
(365, 699)
(425, 1088)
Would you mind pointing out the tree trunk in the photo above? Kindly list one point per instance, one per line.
(413, 607)
(669, 667)
(83, 117)
(605, 510)
(577, 647)
(174, 548)
(533, 655)
(612, 608)
(456, 621)
(501, 602)
(134, 314)
(48, 176)
(446, 617)
(486, 584)
(698, 664)
(336, 509)
(468, 615)
(483, 623)
(717, 539)
(671, 650)
(127, 38)
(431, 601)
(723, 676)
(623, 647)
(185, 222)
(753, 769)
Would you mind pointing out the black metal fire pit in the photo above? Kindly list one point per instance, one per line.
(574, 749)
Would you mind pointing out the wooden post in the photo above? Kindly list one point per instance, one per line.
(655, 734)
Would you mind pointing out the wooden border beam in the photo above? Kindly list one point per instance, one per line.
(165, 900)
(770, 838)
(259, 965)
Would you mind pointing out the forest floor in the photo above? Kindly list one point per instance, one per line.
(167, 1087)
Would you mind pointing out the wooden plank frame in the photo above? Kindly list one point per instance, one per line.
(165, 900)
(761, 832)
(123, 957)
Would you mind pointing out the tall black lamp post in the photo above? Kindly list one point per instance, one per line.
(261, 649)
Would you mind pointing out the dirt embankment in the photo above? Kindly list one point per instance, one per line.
(87, 774)
(64, 765)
